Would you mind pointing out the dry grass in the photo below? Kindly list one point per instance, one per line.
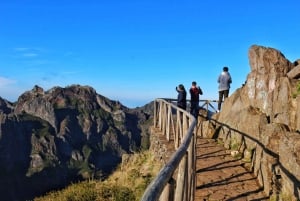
(127, 183)
(136, 173)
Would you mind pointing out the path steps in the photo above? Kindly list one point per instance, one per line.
(221, 177)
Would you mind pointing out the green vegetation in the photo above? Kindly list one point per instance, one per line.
(238, 156)
(145, 142)
(43, 131)
(84, 191)
(220, 141)
(102, 114)
(282, 196)
(40, 127)
(248, 153)
(86, 150)
(127, 183)
(297, 92)
(234, 144)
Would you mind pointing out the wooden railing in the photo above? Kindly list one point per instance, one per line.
(208, 105)
(178, 126)
(203, 103)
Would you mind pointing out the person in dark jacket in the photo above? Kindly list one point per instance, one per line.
(181, 98)
(195, 92)
(224, 81)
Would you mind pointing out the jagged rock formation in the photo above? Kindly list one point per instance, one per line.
(51, 138)
(262, 121)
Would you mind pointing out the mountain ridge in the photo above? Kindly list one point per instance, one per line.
(63, 135)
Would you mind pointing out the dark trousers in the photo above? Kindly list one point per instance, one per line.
(182, 106)
(222, 94)
(195, 108)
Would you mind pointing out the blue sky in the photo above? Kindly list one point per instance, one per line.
(136, 50)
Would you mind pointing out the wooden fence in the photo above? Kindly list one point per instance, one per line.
(203, 103)
(178, 126)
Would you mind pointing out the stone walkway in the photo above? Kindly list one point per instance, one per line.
(221, 177)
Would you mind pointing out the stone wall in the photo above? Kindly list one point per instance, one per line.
(159, 146)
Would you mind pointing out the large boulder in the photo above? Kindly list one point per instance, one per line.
(263, 117)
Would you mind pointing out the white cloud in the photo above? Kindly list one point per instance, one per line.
(68, 54)
(27, 52)
(5, 81)
(30, 55)
(21, 49)
(70, 72)
(8, 90)
(27, 49)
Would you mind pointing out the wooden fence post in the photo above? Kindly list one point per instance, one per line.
(164, 187)
(181, 180)
(168, 193)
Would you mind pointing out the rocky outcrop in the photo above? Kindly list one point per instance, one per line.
(5, 106)
(51, 138)
(261, 120)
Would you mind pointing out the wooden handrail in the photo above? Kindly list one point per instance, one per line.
(163, 187)
(207, 104)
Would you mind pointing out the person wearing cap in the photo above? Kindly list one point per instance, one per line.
(181, 98)
(224, 81)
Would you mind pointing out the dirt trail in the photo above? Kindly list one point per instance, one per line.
(221, 177)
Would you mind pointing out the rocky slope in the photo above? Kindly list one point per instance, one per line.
(51, 138)
(261, 120)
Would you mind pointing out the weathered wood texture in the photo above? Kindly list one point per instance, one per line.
(183, 160)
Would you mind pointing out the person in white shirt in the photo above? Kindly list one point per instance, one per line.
(224, 81)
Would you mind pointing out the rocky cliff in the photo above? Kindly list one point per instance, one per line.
(261, 120)
(51, 138)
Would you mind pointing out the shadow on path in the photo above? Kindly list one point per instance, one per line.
(220, 177)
